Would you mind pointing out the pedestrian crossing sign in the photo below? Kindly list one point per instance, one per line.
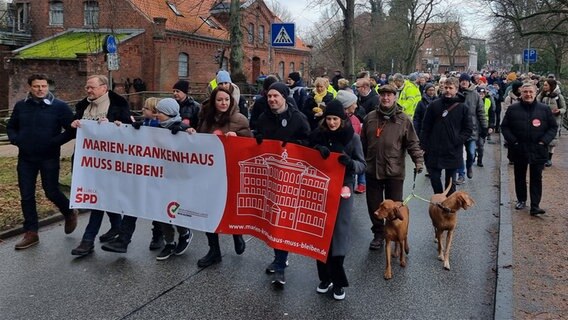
(282, 34)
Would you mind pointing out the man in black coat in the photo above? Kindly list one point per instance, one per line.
(101, 104)
(445, 128)
(285, 123)
(188, 108)
(36, 128)
(528, 128)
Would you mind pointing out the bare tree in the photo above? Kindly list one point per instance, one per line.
(237, 55)
(409, 18)
(280, 11)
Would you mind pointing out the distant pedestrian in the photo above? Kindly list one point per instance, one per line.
(529, 127)
(551, 96)
(188, 108)
(38, 126)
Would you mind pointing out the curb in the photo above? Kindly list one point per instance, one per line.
(504, 282)
(53, 218)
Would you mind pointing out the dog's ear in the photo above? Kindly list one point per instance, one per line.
(465, 201)
(398, 214)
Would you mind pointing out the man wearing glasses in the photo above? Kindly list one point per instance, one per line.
(102, 105)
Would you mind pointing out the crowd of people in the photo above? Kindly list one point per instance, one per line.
(373, 123)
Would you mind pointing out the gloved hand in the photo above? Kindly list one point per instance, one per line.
(284, 143)
(259, 137)
(323, 150)
(419, 168)
(346, 161)
(175, 129)
(136, 125)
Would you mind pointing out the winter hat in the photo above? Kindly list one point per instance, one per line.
(281, 88)
(334, 108)
(182, 86)
(295, 76)
(465, 77)
(223, 76)
(168, 106)
(268, 81)
(346, 98)
(387, 88)
(428, 86)
(511, 77)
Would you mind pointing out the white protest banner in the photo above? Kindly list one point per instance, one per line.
(288, 197)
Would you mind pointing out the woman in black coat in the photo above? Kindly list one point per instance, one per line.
(336, 134)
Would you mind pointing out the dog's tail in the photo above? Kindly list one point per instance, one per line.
(448, 188)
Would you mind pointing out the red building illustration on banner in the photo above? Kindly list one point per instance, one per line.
(287, 193)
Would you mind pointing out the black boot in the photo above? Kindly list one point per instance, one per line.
(549, 161)
(85, 247)
(214, 254)
(240, 243)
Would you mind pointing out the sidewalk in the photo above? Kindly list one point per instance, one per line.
(540, 258)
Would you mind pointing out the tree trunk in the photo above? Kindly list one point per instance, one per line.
(349, 36)
(237, 55)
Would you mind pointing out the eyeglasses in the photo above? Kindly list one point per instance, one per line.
(93, 88)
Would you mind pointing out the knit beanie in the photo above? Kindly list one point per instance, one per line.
(512, 76)
(223, 76)
(428, 86)
(465, 77)
(335, 108)
(295, 76)
(346, 98)
(168, 106)
(182, 86)
(281, 88)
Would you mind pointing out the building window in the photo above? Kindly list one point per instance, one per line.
(301, 68)
(261, 34)
(183, 65)
(281, 70)
(292, 67)
(210, 23)
(22, 16)
(174, 9)
(56, 13)
(250, 31)
(91, 13)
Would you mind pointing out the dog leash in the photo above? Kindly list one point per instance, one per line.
(414, 195)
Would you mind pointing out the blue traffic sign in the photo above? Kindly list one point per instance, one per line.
(529, 55)
(282, 34)
(109, 44)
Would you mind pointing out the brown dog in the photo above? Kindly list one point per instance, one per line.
(443, 212)
(396, 230)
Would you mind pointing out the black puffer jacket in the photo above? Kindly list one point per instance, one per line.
(369, 102)
(36, 128)
(189, 109)
(290, 125)
(528, 129)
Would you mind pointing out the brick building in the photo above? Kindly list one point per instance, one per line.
(159, 42)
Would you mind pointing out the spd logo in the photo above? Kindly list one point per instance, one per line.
(172, 208)
(85, 197)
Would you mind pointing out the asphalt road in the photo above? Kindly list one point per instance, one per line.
(46, 282)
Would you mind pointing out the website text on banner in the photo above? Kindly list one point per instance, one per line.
(287, 197)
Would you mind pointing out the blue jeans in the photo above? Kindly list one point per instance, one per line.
(95, 221)
(470, 153)
(361, 179)
(28, 171)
